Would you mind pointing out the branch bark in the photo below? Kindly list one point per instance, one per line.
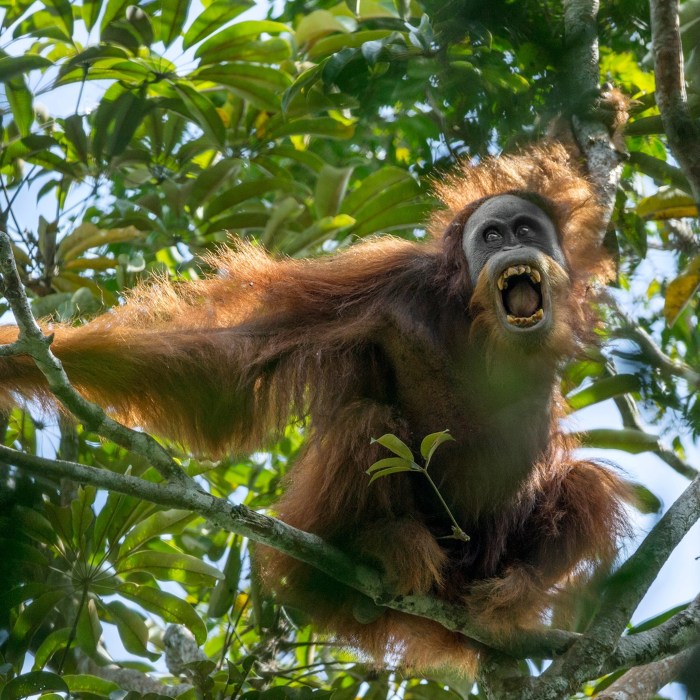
(581, 75)
(682, 130)
(642, 682)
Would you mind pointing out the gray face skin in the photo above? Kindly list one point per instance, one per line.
(508, 223)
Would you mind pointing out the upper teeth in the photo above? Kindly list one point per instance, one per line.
(518, 270)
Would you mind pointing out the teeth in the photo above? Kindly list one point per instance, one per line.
(525, 322)
(535, 275)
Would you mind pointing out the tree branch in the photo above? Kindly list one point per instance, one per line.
(587, 656)
(581, 74)
(682, 131)
(296, 543)
(670, 637)
(642, 682)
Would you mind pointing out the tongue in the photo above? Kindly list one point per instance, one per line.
(521, 299)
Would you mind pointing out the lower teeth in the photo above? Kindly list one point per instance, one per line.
(528, 321)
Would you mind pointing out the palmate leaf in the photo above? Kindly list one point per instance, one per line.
(223, 46)
(220, 12)
(29, 620)
(165, 521)
(131, 627)
(51, 645)
(172, 19)
(15, 66)
(201, 111)
(167, 606)
(166, 566)
(259, 85)
(89, 629)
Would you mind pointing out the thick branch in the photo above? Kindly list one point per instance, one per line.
(581, 69)
(300, 545)
(670, 637)
(642, 682)
(682, 131)
(33, 342)
(587, 656)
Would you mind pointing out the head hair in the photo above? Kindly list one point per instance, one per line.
(544, 175)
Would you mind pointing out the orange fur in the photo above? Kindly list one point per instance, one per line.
(387, 336)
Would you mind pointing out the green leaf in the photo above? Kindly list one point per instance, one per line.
(238, 221)
(372, 186)
(63, 15)
(29, 620)
(165, 521)
(90, 11)
(34, 683)
(119, 114)
(391, 462)
(645, 501)
(397, 446)
(21, 104)
(87, 236)
(171, 567)
(223, 596)
(258, 85)
(202, 111)
(217, 47)
(14, 66)
(13, 10)
(53, 643)
(274, 50)
(332, 44)
(603, 389)
(89, 629)
(35, 525)
(233, 196)
(73, 129)
(84, 683)
(132, 629)
(81, 511)
(626, 439)
(331, 186)
(116, 9)
(431, 442)
(172, 19)
(387, 472)
(220, 12)
(319, 126)
(656, 620)
(389, 197)
(42, 24)
(397, 217)
(169, 607)
(317, 24)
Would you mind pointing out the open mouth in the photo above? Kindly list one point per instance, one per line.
(521, 294)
